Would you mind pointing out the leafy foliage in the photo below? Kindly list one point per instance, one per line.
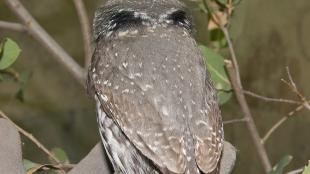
(9, 52)
(29, 164)
(60, 154)
(23, 80)
(279, 167)
(216, 66)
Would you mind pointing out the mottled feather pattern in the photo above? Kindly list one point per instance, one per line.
(157, 108)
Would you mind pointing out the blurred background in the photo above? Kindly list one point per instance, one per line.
(267, 36)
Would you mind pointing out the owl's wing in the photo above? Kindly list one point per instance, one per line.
(208, 132)
(124, 101)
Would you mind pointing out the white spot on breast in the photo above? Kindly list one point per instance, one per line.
(134, 32)
(125, 64)
(147, 87)
(164, 110)
(131, 76)
(138, 74)
(159, 134)
(123, 33)
(199, 122)
(189, 158)
(125, 91)
(104, 97)
(94, 75)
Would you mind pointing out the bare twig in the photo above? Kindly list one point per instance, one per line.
(269, 99)
(294, 88)
(303, 104)
(46, 40)
(48, 167)
(296, 171)
(235, 121)
(32, 138)
(12, 26)
(281, 121)
(247, 115)
(85, 27)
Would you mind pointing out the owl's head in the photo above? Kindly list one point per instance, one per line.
(123, 15)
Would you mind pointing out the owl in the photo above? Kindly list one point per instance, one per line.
(157, 108)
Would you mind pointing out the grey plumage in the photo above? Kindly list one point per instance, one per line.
(157, 107)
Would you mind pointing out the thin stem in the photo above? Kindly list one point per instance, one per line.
(85, 27)
(296, 171)
(13, 26)
(269, 99)
(280, 122)
(247, 115)
(235, 121)
(46, 40)
(233, 71)
(32, 138)
(217, 21)
(233, 55)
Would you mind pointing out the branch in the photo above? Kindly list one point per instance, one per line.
(235, 121)
(85, 27)
(13, 26)
(46, 40)
(280, 122)
(303, 104)
(233, 71)
(269, 99)
(32, 138)
(296, 171)
(247, 115)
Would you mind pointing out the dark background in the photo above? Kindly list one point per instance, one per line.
(267, 35)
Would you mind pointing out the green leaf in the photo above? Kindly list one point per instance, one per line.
(9, 53)
(23, 80)
(279, 167)
(202, 8)
(307, 169)
(60, 154)
(6, 76)
(1, 77)
(218, 38)
(216, 67)
(236, 2)
(223, 2)
(224, 96)
(28, 165)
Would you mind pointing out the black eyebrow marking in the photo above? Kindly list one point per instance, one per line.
(179, 17)
(123, 18)
(110, 19)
